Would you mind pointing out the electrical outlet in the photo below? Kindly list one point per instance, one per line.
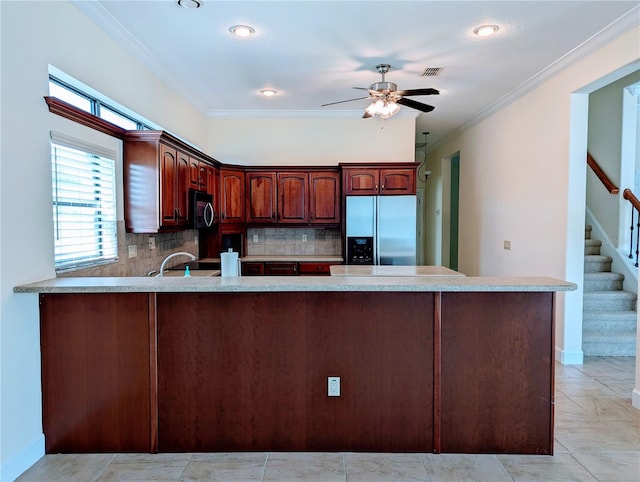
(507, 245)
(333, 387)
(256, 238)
(152, 243)
(133, 251)
(304, 238)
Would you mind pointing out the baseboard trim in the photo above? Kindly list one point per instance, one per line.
(635, 398)
(569, 357)
(19, 463)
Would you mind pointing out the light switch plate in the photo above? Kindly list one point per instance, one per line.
(507, 245)
(152, 243)
(333, 389)
(304, 238)
(256, 238)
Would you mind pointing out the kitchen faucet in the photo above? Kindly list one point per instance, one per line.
(179, 253)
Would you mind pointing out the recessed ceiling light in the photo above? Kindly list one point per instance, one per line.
(191, 4)
(485, 30)
(242, 30)
(268, 92)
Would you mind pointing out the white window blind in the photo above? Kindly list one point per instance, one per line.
(84, 202)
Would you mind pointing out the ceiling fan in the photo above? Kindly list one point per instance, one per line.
(386, 98)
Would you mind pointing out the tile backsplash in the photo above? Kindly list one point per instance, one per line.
(147, 260)
(291, 241)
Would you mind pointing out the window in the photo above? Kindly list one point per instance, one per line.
(84, 203)
(93, 105)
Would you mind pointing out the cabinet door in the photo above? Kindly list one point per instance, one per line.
(197, 174)
(261, 197)
(168, 180)
(397, 181)
(213, 182)
(182, 188)
(364, 182)
(231, 196)
(324, 198)
(293, 197)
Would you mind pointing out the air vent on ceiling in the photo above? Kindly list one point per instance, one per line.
(432, 71)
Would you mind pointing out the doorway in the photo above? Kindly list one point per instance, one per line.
(454, 204)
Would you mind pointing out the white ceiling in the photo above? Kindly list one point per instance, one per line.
(315, 52)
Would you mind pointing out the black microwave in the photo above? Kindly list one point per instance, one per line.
(202, 213)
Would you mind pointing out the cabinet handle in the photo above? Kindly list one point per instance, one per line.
(223, 216)
(376, 187)
(383, 187)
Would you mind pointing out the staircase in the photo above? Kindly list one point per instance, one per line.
(609, 313)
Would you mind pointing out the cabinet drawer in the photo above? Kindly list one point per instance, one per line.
(252, 269)
(281, 269)
(315, 268)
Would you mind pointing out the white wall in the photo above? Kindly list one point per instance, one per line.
(522, 178)
(36, 34)
(305, 141)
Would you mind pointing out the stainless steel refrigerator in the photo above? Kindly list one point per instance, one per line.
(381, 230)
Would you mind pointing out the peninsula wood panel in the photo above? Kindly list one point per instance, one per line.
(249, 371)
(95, 372)
(497, 373)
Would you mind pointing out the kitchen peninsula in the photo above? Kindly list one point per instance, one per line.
(426, 363)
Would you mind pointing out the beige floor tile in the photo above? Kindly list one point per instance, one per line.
(538, 468)
(607, 408)
(145, 467)
(370, 467)
(618, 467)
(67, 468)
(462, 468)
(600, 437)
(294, 467)
(222, 467)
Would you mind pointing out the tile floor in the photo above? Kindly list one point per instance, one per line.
(597, 434)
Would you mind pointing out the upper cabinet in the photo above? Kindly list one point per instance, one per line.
(231, 196)
(261, 197)
(293, 197)
(324, 197)
(197, 174)
(379, 179)
(300, 197)
(156, 182)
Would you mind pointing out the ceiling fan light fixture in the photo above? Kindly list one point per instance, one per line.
(382, 108)
(190, 4)
(485, 30)
(242, 31)
(268, 92)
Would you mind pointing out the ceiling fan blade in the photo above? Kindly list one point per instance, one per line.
(342, 101)
(427, 91)
(361, 88)
(415, 105)
(366, 115)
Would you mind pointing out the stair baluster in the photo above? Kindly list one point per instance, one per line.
(635, 211)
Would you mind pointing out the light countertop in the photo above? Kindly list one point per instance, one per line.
(351, 270)
(217, 284)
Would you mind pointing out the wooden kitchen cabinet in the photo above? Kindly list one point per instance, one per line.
(231, 196)
(293, 197)
(302, 197)
(261, 197)
(252, 269)
(197, 174)
(281, 269)
(156, 182)
(379, 180)
(324, 197)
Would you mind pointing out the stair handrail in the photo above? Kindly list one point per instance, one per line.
(635, 208)
(604, 179)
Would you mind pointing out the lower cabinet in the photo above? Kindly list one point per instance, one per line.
(286, 268)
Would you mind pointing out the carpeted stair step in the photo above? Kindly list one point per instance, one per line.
(620, 322)
(603, 281)
(611, 346)
(587, 231)
(592, 246)
(594, 263)
(609, 301)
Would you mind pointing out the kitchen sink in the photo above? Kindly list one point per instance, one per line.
(194, 273)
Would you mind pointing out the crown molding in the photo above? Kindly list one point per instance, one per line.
(300, 114)
(107, 22)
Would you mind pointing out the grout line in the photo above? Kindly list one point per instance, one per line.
(264, 467)
(99, 474)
